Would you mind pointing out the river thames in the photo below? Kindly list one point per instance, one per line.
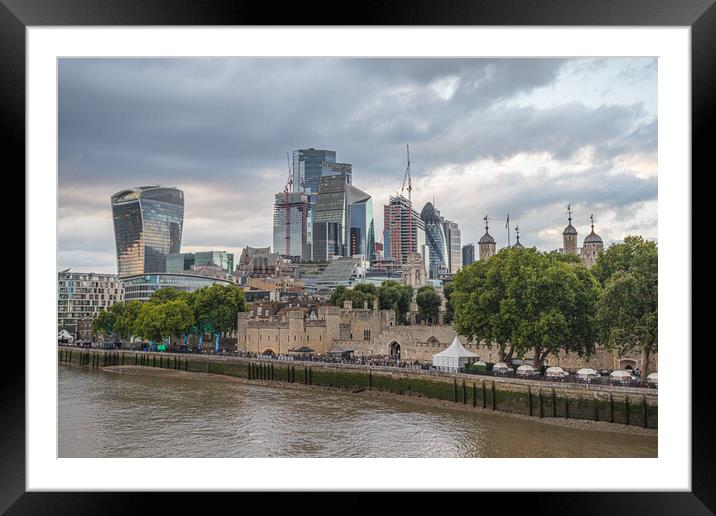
(130, 414)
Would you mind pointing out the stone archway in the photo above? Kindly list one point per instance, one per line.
(394, 348)
(433, 342)
(627, 364)
(268, 351)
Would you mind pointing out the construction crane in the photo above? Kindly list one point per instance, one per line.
(286, 190)
(410, 200)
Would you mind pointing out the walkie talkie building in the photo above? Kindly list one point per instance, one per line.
(147, 227)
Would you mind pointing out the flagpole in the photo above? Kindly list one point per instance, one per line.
(507, 225)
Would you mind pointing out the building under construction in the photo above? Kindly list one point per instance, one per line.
(404, 229)
(290, 225)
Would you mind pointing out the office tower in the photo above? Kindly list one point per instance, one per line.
(342, 220)
(452, 234)
(436, 240)
(295, 242)
(468, 254)
(309, 165)
(147, 227)
(404, 229)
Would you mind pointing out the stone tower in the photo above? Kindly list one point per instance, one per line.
(569, 235)
(487, 244)
(592, 247)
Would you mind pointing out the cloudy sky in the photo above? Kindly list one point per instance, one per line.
(487, 137)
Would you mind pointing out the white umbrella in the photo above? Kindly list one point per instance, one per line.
(554, 371)
(525, 369)
(586, 372)
(653, 378)
(480, 364)
(621, 375)
(500, 365)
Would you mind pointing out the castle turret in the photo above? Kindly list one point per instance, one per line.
(593, 246)
(517, 244)
(487, 244)
(569, 235)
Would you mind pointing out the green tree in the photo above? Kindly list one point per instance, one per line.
(105, 321)
(428, 301)
(125, 324)
(168, 294)
(627, 314)
(635, 253)
(216, 308)
(395, 296)
(157, 321)
(525, 300)
(448, 289)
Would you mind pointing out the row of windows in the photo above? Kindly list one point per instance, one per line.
(308, 338)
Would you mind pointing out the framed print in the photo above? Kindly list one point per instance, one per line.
(416, 251)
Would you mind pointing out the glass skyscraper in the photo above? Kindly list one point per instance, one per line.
(343, 220)
(309, 165)
(436, 239)
(147, 227)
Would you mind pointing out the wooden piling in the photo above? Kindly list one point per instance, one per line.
(611, 408)
(474, 395)
(529, 400)
(494, 397)
(541, 409)
(643, 406)
(484, 395)
(626, 409)
(554, 404)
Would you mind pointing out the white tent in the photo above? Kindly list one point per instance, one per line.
(653, 378)
(454, 357)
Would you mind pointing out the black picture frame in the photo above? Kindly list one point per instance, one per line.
(16, 15)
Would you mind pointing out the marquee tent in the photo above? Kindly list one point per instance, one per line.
(454, 357)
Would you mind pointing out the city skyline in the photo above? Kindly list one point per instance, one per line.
(524, 136)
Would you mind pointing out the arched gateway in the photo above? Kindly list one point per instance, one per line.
(394, 348)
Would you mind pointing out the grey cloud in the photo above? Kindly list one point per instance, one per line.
(220, 128)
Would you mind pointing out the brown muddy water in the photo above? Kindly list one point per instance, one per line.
(130, 414)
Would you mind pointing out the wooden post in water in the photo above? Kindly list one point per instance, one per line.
(611, 408)
(310, 376)
(464, 393)
(370, 379)
(554, 404)
(529, 400)
(626, 408)
(474, 395)
(454, 389)
(643, 405)
(484, 395)
(541, 410)
(494, 397)
(566, 406)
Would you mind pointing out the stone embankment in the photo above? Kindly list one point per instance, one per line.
(625, 406)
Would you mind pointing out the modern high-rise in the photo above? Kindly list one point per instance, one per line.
(452, 234)
(82, 295)
(436, 240)
(297, 243)
(148, 224)
(309, 165)
(342, 220)
(468, 254)
(404, 229)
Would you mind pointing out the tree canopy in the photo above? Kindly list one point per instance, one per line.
(522, 300)
(428, 301)
(627, 313)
